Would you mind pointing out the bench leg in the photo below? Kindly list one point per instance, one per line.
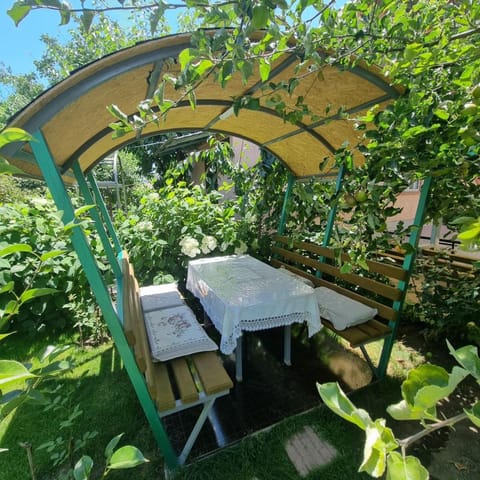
(287, 345)
(368, 359)
(196, 430)
(239, 360)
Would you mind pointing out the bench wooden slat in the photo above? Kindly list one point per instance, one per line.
(369, 284)
(210, 370)
(358, 335)
(184, 380)
(158, 382)
(391, 271)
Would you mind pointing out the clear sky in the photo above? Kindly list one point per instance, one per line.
(20, 46)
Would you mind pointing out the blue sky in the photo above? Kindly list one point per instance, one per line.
(20, 46)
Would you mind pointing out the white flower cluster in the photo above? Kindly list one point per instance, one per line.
(209, 244)
(190, 247)
(144, 226)
(241, 249)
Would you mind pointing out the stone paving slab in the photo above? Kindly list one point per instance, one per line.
(308, 452)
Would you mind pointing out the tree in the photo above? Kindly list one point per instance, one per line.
(429, 47)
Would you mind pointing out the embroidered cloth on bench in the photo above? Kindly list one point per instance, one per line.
(175, 332)
(342, 311)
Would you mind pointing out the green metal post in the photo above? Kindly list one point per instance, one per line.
(286, 198)
(103, 210)
(408, 263)
(62, 200)
(333, 211)
(82, 184)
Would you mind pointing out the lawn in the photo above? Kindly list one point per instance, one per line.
(109, 406)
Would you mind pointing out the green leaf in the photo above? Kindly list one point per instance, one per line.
(53, 254)
(440, 113)
(87, 19)
(4, 335)
(14, 134)
(52, 352)
(8, 287)
(405, 468)
(474, 414)
(8, 169)
(12, 371)
(403, 411)
(111, 446)
(15, 248)
(35, 293)
(379, 442)
(18, 12)
(117, 113)
(468, 358)
(430, 395)
(80, 211)
(83, 468)
(65, 13)
(336, 400)
(186, 56)
(264, 69)
(126, 457)
(260, 16)
(469, 234)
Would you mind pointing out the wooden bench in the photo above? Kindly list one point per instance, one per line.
(180, 383)
(382, 289)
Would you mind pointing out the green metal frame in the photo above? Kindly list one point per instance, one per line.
(80, 243)
(408, 264)
(103, 210)
(286, 198)
(99, 225)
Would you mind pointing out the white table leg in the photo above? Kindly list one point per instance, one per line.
(287, 345)
(239, 360)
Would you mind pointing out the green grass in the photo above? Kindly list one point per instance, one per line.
(102, 389)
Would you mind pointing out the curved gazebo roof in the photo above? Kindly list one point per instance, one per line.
(73, 118)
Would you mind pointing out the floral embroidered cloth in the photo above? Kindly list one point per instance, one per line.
(175, 332)
(239, 292)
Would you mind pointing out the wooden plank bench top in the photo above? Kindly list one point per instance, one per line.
(181, 382)
(379, 290)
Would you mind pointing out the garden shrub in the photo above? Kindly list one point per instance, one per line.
(37, 223)
(449, 300)
(176, 223)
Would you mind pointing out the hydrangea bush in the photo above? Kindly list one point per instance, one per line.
(166, 229)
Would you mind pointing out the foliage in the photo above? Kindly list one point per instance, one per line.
(424, 387)
(448, 298)
(152, 232)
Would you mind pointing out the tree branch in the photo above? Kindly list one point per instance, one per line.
(406, 442)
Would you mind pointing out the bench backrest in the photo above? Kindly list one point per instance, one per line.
(379, 288)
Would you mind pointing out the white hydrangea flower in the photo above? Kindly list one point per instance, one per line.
(241, 249)
(144, 226)
(39, 201)
(209, 244)
(190, 247)
(153, 196)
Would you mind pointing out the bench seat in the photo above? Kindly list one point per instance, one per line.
(179, 383)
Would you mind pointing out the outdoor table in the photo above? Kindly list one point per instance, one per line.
(239, 292)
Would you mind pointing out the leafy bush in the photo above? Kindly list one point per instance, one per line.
(449, 299)
(37, 223)
(177, 223)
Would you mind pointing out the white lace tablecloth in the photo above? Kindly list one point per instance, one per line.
(241, 293)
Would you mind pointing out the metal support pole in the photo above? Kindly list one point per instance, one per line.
(62, 200)
(103, 210)
(100, 226)
(408, 264)
(333, 210)
(286, 198)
